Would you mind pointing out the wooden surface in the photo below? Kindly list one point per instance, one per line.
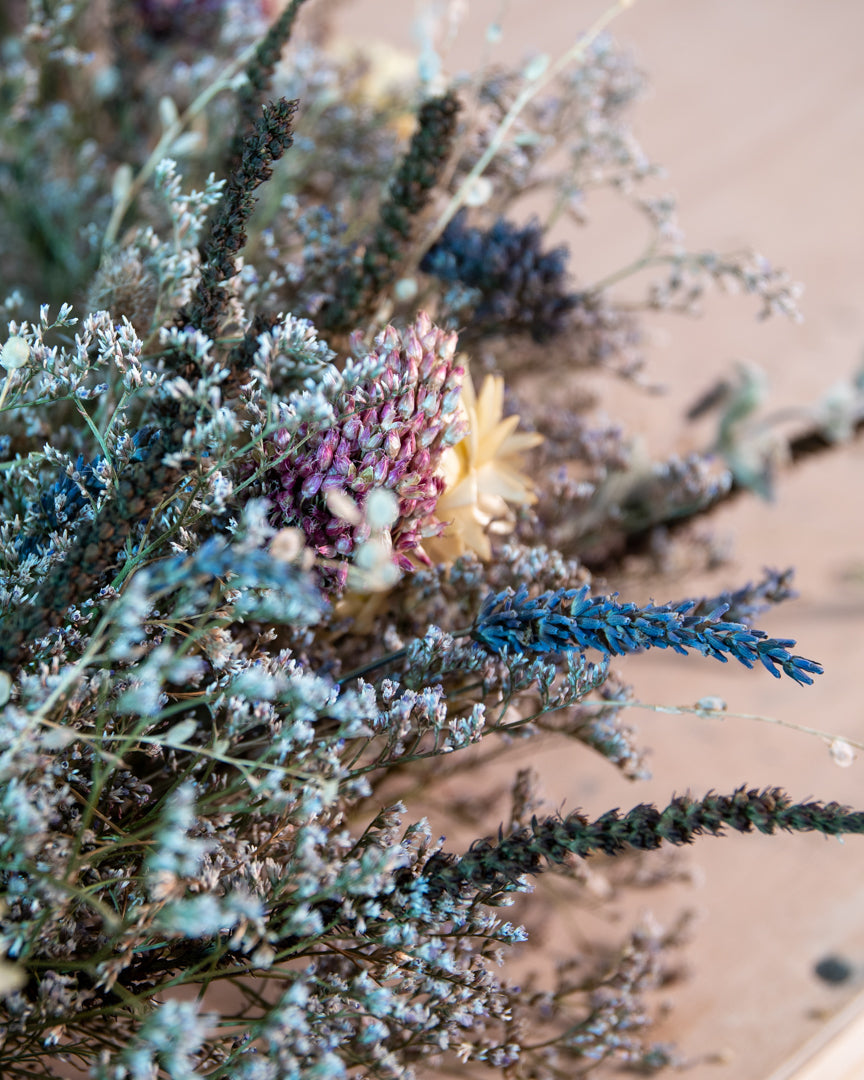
(834, 1053)
(756, 109)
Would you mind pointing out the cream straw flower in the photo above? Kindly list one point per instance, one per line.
(482, 475)
(482, 480)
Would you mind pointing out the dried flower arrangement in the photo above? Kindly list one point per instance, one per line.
(269, 551)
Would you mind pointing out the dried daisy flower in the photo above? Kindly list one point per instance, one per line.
(393, 429)
(482, 475)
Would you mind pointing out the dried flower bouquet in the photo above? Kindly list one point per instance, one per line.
(279, 534)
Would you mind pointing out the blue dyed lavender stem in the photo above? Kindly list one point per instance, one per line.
(557, 622)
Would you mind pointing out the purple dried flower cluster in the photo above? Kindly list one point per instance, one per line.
(390, 433)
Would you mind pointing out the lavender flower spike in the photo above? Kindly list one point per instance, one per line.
(513, 623)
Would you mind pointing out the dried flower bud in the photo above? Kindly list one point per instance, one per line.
(15, 353)
(376, 448)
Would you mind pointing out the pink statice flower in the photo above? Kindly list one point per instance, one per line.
(391, 431)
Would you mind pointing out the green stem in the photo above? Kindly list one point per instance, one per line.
(169, 135)
(389, 658)
(373, 665)
(575, 53)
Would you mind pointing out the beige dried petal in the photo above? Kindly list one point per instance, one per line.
(287, 545)
(482, 475)
(12, 978)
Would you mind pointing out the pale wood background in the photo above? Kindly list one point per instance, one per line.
(756, 109)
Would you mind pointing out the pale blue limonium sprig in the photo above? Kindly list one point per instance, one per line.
(171, 1037)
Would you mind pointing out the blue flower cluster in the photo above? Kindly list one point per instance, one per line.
(264, 587)
(556, 622)
(64, 500)
(522, 289)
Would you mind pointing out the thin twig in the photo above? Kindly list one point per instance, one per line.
(576, 52)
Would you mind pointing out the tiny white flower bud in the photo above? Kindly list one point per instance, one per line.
(168, 112)
(480, 192)
(341, 505)
(841, 753)
(15, 353)
(382, 509)
(121, 183)
(180, 733)
(535, 67)
(405, 289)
